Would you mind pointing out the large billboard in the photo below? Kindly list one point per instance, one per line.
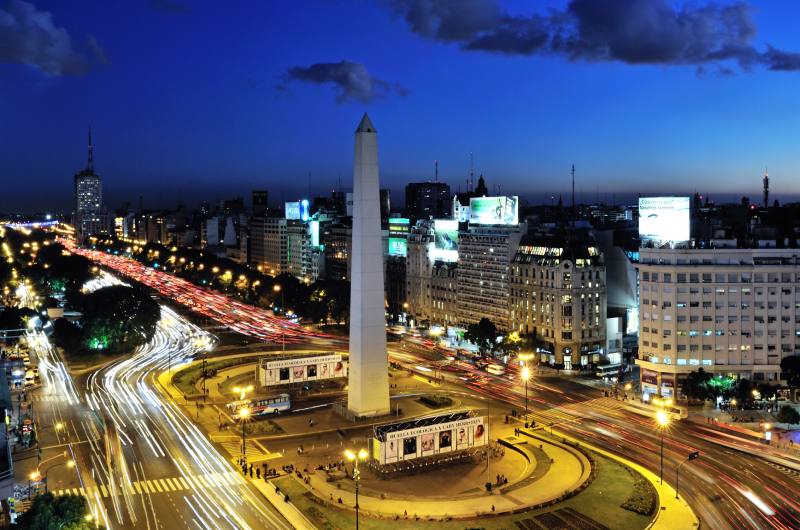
(298, 369)
(398, 246)
(494, 210)
(664, 219)
(297, 210)
(429, 436)
(445, 247)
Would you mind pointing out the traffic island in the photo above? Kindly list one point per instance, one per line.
(458, 491)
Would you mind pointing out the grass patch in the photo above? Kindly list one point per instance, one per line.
(435, 401)
(600, 501)
(186, 379)
(643, 498)
(262, 427)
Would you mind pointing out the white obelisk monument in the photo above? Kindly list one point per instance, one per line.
(368, 392)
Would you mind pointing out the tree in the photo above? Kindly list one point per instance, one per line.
(119, 318)
(788, 414)
(48, 512)
(790, 366)
(695, 385)
(67, 335)
(483, 334)
(743, 390)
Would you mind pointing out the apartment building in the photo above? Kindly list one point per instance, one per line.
(733, 312)
(558, 294)
(485, 253)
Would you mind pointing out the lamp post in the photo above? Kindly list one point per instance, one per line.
(692, 456)
(277, 288)
(663, 421)
(244, 413)
(355, 458)
(526, 375)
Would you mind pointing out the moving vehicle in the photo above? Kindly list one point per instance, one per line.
(496, 369)
(263, 406)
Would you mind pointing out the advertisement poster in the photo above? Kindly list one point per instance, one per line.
(664, 220)
(398, 246)
(427, 440)
(494, 210)
(296, 369)
(445, 247)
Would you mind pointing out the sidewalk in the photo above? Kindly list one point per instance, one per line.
(569, 470)
(672, 513)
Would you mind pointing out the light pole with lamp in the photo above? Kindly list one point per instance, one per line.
(692, 456)
(243, 414)
(525, 374)
(355, 458)
(663, 421)
(277, 288)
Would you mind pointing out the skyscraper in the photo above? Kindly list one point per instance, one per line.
(428, 200)
(89, 217)
(368, 391)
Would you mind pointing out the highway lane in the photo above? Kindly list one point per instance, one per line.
(142, 463)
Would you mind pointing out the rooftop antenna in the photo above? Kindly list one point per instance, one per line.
(573, 195)
(90, 165)
(471, 179)
(436, 170)
(766, 187)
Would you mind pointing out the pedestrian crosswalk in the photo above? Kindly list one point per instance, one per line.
(255, 452)
(160, 485)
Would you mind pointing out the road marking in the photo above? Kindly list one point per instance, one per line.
(104, 490)
(162, 485)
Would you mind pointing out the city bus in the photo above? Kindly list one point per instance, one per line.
(496, 369)
(263, 406)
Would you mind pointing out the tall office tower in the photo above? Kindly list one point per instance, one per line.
(88, 196)
(260, 198)
(426, 200)
(368, 393)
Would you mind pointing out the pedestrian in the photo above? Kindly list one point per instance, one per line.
(493, 507)
(258, 472)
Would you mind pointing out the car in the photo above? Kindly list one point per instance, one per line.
(30, 379)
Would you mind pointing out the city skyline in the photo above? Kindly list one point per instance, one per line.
(270, 106)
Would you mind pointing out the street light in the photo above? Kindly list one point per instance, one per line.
(244, 413)
(692, 456)
(662, 418)
(242, 390)
(526, 375)
(277, 288)
(355, 458)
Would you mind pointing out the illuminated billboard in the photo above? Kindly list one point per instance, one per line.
(664, 219)
(445, 247)
(398, 246)
(494, 210)
(297, 210)
(293, 210)
(429, 436)
(284, 371)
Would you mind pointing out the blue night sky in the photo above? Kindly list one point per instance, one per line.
(212, 99)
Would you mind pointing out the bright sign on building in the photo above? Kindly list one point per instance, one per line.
(664, 219)
(398, 246)
(293, 210)
(494, 210)
(297, 369)
(425, 439)
(445, 247)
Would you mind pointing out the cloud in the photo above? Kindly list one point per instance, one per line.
(29, 36)
(351, 80)
(630, 31)
(169, 6)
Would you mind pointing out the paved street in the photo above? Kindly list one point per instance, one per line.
(141, 462)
